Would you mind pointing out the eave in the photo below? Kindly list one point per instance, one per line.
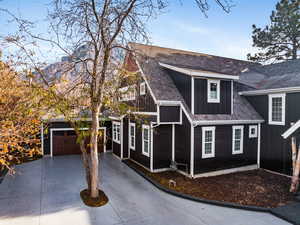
(199, 73)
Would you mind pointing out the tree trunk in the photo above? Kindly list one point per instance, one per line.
(294, 152)
(295, 49)
(295, 179)
(86, 164)
(94, 152)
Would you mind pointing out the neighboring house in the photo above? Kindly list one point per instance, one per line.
(211, 114)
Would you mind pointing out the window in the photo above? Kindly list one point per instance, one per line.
(213, 91)
(208, 142)
(277, 109)
(116, 132)
(146, 140)
(127, 93)
(252, 131)
(237, 139)
(132, 136)
(143, 88)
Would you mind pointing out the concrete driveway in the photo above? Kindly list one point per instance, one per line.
(46, 192)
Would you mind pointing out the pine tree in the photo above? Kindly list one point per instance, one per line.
(281, 39)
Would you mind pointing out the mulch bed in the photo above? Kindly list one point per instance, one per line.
(93, 202)
(250, 188)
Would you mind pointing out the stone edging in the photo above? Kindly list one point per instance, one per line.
(212, 202)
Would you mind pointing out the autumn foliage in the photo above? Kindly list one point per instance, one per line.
(19, 119)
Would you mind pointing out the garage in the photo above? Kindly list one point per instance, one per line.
(63, 142)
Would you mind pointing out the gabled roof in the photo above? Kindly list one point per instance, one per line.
(193, 60)
(163, 88)
(273, 76)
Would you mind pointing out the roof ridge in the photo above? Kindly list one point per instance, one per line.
(192, 52)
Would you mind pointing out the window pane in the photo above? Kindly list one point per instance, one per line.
(132, 130)
(208, 148)
(213, 90)
(253, 131)
(132, 141)
(146, 133)
(277, 109)
(146, 146)
(238, 134)
(237, 145)
(208, 136)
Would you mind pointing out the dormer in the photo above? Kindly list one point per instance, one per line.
(209, 92)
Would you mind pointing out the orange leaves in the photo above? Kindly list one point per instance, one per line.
(19, 118)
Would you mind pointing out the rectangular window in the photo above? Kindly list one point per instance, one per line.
(132, 136)
(213, 91)
(116, 132)
(277, 109)
(146, 140)
(143, 88)
(237, 139)
(253, 131)
(208, 142)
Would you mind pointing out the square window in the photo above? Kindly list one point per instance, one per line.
(253, 131)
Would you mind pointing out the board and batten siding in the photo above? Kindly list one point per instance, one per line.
(162, 148)
(169, 114)
(200, 98)
(137, 154)
(224, 159)
(183, 142)
(275, 151)
(183, 83)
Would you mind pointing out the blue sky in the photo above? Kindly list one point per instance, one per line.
(182, 25)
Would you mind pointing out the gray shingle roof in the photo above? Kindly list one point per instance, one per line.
(164, 88)
(279, 75)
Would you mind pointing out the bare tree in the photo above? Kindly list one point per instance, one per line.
(93, 34)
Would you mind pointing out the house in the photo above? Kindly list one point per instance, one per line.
(208, 114)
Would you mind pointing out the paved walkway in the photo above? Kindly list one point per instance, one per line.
(46, 192)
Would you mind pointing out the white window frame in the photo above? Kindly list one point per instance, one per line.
(209, 99)
(143, 88)
(212, 154)
(241, 151)
(255, 133)
(132, 125)
(115, 135)
(143, 143)
(282, 96)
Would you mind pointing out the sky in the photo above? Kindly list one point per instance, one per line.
(182, 26)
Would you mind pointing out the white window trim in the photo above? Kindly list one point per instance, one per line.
(234, 128)
(143, 88)
(130, 126)
(212, 154)
(283, 109)
(115, 138)
(255, 134)
(210, 100)
(143, 143)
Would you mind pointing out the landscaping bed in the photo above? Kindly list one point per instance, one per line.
(251, 188)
